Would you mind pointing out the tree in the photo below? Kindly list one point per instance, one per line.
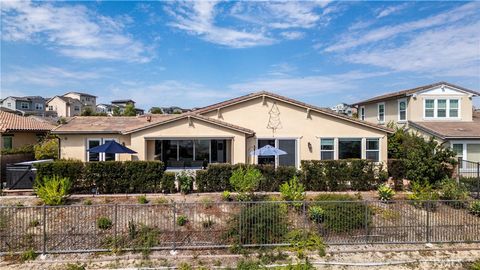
(156, 110)
(47, 149)
(130, 110)
(116, 111)
(87, 111)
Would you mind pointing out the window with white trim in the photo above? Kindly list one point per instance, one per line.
(108, 156)
(327, 150)
(453, 110)
(373, 150)
(381, 112)
(350, 148)
(458, 149)
(402, 110)
(91, 143)
(24, 105)
(441, 108)
(429, 107)
(287, 145)
(38, 106)
(362, 113)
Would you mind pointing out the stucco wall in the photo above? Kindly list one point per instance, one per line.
(74, 146)
(416, 107)
(254, 114)
(20, 139)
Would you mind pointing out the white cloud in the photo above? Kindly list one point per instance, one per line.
(293, 35)
(445, 51)
(73, 30)
(390, 10)
(362, 38)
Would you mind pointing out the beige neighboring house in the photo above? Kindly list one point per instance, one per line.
(442, 110)
(17, 131)
(71, 104)
(227, 132)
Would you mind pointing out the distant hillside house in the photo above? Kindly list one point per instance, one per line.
(344, 108)
(71, 104)
(28, 105)
(120, 104)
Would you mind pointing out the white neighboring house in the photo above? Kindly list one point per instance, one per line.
(71, 104)
(343, 108)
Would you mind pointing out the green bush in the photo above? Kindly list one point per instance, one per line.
(104, 223)
(71, 169)
(316, 213)
(343, 213)
(258, 224)
(274, 177)
(182, 220)
(215, 178)
(385, 193)
(142, 199)
(423, 196)
(226, 195)
(185, 181)
(167, 183)
(292, 190)
(455, 193)
(53, 190)
(26, 149)
(302, 240)
(474, 208)
(47, 149)
(396, 169)
(28, 255)
(475, 265)
(245, 180)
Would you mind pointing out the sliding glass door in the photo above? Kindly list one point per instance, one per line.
(287, 145)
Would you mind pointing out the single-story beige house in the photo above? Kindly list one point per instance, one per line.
(227, 132)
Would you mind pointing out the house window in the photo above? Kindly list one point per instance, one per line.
(373, 150)
(473, 152)
(185, 150)
(442, 108)
(24, 105)
(108, 156)
(362, 113)
(327, 149)
(50, 108)
(429, 107)
(91, 143)
(77, 108)
(266, 159)
(402, 110)
(289, 146)
(202, 150)
(349, 148)
(9, 104)
(453, 111)
(381, 112)
(7, 142)
(38, 106)
(458, 149)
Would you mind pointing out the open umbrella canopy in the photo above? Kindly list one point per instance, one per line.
(268, 150)
(111, 147)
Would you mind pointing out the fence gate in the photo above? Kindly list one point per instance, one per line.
(20, 176)
(468, 172)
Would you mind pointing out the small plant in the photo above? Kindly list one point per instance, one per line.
(246, 180)
(316, 213)
(29, 255)
(474, 208)
(34, 223)
(207, 223)
(182, 220)
(142, 199)
(185, 266)
(385, 193)
(207, 203)
(454, 193)
(226, 196)
(475, 265)
(185, 181)
(293, 190)
(423, 196)
(302, 240)
(104, 223)
(53, 190)
(161, 200)
(87, 202)
(74, 266)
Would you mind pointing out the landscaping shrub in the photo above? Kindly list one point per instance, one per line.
(424, 196)
(70, 169)
(258, 224)
(226, 195)
(142, 199)
(167, 184)
(316, 213)
(303, 240)
(53, 190)
(245, 180)
(396, 169)
(46, 149)
(343, 213)
(104, 223)
(385, 193)
(215, 178)
(274, 177)
(293, 190)
(185, 181)
(26, 149)
(454, 192)
(474, 208)
(182, 220)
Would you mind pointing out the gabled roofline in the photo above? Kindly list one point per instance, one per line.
(80, 93)
(411, 91)
(194, 116)
(324, 111)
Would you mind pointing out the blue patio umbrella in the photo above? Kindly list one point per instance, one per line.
(111, 147)
(268, 150)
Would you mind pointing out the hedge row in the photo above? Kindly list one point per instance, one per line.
(339, 175)
(107, 177)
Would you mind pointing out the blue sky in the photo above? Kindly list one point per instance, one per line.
(192, 54)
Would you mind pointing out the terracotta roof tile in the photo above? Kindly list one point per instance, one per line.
(13, 122)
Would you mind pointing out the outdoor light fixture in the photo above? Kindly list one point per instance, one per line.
(309, 146)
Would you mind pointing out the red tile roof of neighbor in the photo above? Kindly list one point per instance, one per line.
(404, 93)
(13, 122)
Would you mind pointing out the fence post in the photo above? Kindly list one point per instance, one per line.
(459, 164)
(116, 227)
(44, 247)
(366, 222)
(174, 226)
(478, 180)
(428, 222)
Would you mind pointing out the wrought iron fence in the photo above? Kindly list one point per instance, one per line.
(77, 228)
(469, 174)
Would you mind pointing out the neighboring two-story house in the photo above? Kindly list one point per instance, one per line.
(442, 110)
(29, 105)
(120, 104)
(71, 104)
(344, 108)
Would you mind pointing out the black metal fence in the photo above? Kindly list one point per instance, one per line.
(59, 229)
(469, 174)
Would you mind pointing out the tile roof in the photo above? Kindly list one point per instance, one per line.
(13, 122)
(127, 125)
(451, 130)
(79, 93)
(407, 92)
(325, 111)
